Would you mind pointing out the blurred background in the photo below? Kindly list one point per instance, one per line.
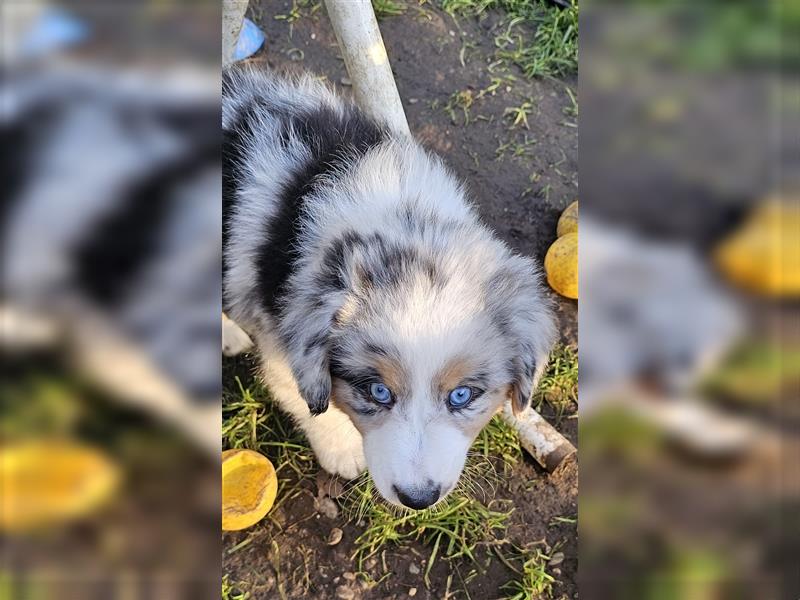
(109, 407)
(690, 277)
(690, 280)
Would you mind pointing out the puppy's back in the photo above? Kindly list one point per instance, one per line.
(282, 138)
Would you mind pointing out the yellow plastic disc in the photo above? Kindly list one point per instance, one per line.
(249, 486)
(763, 256)
(561, 265)
(46, 482)
(568, 221)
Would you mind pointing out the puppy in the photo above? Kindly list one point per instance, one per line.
(110, 227)
(390, 322)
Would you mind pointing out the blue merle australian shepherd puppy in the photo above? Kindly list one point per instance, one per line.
(391, 324)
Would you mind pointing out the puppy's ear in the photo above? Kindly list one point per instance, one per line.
(306, 330)
(311, 315)
(528, 368)
(523, 315)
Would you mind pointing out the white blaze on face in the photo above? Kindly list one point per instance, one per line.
(420, 445)
(416, 449)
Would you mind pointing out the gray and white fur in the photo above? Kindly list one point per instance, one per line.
(353, 259)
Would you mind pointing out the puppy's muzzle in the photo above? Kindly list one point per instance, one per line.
(418, 497)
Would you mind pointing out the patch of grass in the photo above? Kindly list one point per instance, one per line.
(615, 432)
(299, 9)
(40, 405)
(294, 14)
(572, 109)
(462, 101)
(519, 114)
(229, 592)
(452, 529)
(552, 49)
(388, 8)
(711, 37)
(544, 192)
(755, 373)
(534, 581)
(494, 84)
(465, 47)
(498, 440)
(251, 420)
(562, 520)
(559, 385)
(688, 572)
(516, 148)
(16, 585)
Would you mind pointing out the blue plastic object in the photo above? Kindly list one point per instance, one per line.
(251, 38)
(53, 30)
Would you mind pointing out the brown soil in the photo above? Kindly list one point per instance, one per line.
(152, 538)
(521, 198)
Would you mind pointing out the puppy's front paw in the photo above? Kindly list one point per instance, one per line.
(234, 339)
(336, 442)
(346, 461)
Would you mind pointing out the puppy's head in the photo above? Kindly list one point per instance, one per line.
(426, 343)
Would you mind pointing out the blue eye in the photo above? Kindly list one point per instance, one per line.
(380, 393)
(460, 396)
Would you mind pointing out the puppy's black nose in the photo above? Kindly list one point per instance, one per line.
(418, 498)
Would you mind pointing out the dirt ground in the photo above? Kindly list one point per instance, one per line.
(438, 61)
(151, 538)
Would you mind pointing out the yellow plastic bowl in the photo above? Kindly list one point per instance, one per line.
(249, 486)
(561, 265)
(50, 481)
(763, 255)
(568, 221)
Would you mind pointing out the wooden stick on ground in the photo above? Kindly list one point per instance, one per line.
(539, 438)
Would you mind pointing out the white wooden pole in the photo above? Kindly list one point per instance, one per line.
(365, 56)
(232, 18)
